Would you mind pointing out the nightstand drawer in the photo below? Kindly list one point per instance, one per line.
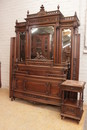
(71, 88)
(68, 110)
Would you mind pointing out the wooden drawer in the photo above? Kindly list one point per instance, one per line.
(72, 112)
(68, 110)
(71, 88)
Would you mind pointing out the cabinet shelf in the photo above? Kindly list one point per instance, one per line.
(72, 99)
(71, 102)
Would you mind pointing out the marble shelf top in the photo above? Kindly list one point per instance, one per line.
(73, 83)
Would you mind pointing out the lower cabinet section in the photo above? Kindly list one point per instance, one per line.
(71, 111)
(32, 97)
(50, 90)
(37, 89)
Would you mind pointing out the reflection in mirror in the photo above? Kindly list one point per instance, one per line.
(66, 49)
(42, 42)
(22, 46)
(66, 45)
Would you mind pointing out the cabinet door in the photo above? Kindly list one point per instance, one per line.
(75, 59)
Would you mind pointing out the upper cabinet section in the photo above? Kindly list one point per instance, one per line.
(44, 17)
(49, 36)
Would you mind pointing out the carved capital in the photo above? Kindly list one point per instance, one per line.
(57, 26)
(15, 30)
(27, 29)
(75, 25)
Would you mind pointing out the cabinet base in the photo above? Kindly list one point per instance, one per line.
(71, 116)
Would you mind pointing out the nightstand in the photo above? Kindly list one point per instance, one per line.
(72, 99)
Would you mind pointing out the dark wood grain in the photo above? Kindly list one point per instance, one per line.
(39, 79)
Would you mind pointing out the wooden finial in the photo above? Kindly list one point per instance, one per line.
(75, 14)
(16, 21)
(58, 7)
(27, 12)
(42, 8)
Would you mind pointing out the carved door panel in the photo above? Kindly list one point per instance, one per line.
(32, 85)
(36, 86)
(55, 89)
(69, 110)
(19, 84)
(75, 63)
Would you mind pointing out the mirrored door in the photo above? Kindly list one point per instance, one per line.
(42, 42)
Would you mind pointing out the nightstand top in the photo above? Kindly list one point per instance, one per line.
(73, 83)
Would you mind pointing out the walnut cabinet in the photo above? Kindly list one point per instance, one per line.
(43, 54)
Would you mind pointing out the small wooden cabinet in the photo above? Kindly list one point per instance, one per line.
(72, 99)
(45, 44)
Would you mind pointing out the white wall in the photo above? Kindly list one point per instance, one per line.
(17, 9)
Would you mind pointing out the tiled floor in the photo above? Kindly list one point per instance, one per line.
(22, 115)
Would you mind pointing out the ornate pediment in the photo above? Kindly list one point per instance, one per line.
(42, 11)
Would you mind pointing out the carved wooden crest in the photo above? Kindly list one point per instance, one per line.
(42, 11)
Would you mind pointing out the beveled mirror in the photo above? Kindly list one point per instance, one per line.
(66, 50)
(42, 42)
(22, 46)
(66, 45)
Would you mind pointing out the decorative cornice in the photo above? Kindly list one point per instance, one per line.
(42, 12)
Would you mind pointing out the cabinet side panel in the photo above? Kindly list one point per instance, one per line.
(12, 59)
